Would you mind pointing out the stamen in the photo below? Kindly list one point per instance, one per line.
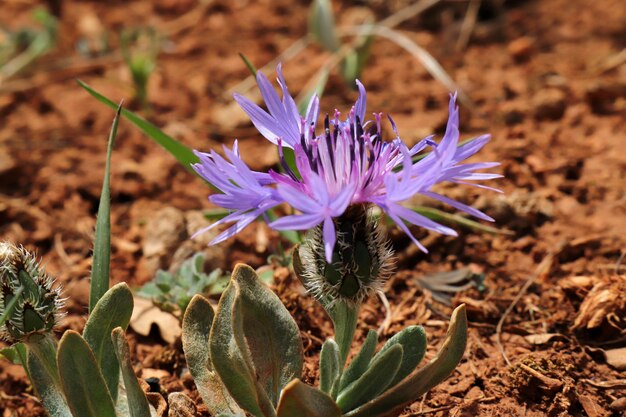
(283, 161)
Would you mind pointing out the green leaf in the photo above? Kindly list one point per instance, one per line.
(197, 323)
(183, 154)
(233, 365)
(413, 342)
(322, 25)
(420, 381)
(329, 365)
(83, 384)
(10, 353)
(271, 334)
(48, 387)
(300, 400)
(113, 310)
(138, 405)
(377, 377)
(361, 361)
(102, 240)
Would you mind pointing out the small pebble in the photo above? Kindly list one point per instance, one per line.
(549, 104)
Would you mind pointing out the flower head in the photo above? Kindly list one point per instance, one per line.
(33, 306)
(346, 163)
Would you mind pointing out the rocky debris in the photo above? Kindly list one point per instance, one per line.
(549, 104)
(521, 48)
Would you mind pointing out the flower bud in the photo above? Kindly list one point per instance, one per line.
(37, 308)
(361, 263)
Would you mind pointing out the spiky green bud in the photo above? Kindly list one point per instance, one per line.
(27, 294)
(361, 263)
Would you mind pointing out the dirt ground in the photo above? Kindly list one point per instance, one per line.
(548, 81)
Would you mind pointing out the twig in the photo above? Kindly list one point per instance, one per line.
(407, 13)
(542, 268)
(468, 24)
(618, 264)
(551, 383)
(388, 313)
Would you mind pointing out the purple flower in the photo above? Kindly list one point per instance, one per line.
(347, 163)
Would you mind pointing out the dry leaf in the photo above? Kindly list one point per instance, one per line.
(146, 314)
(543, 338)
(591, 407)
(616, 358)
(607, 296)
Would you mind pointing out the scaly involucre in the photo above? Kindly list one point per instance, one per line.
(347, 163)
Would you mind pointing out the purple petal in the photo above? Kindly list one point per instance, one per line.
(297, 222)
(298, 199)
(330, 237)
(361, 102)
(265, 124)
(422, 221)
(459, 206)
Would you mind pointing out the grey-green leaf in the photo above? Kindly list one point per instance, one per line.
(233, 365)
(271, 334)
(301, 400)
(102, 239)
(83, 384)
(47, 388)
(420, 381)
(413, 342)
(322, 24)
(196, 329)
(113, 310)
(329, 365)
(377, 377)
(361, 361)
(137, 402)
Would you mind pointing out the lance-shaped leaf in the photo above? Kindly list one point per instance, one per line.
(137, 402)
(322, 24)
(271, 334)
(377, 377)
(413, 342)
(42, 371)
(361, 361)
(329, 365)
(235, 366)
(113, 310)
(83, 384)
(182, 153)
(102, 239)
(197, 323)
(420, 381)
(300, 400)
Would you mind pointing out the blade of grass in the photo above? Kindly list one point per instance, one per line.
(439, 215)
(183, 154)
(102, 240)
(249, 64)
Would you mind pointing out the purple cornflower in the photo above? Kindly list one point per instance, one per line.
(347, 163)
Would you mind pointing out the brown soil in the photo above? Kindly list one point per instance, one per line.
(547, 83)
